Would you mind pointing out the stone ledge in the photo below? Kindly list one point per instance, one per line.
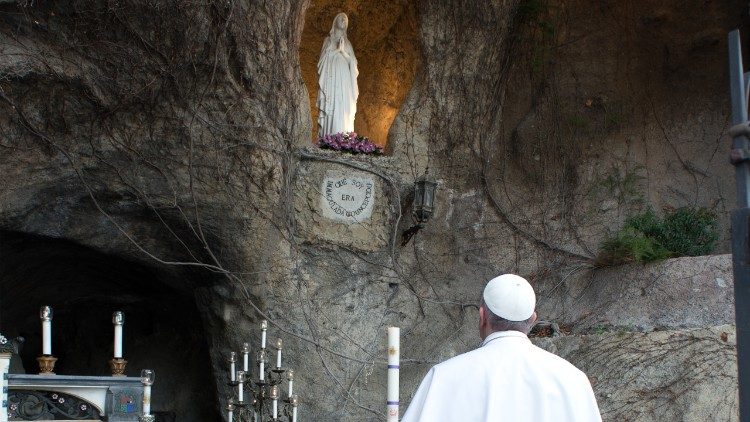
(677, 293)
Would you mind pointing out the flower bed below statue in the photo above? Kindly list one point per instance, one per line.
(349, 142)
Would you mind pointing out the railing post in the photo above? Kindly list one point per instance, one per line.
(740, 158)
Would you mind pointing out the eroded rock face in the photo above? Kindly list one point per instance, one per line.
(682, 375)
(687, 292)
(177, 134)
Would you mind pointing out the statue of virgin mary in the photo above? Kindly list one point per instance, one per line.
(337, 81)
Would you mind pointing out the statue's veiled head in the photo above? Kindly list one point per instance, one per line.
(340, 22)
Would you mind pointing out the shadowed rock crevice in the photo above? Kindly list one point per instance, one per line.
(163, 329)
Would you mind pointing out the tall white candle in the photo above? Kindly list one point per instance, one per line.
(147, 379)
(230, 409)
(275, 401)
(290, 377)
(278, 353)
(263, 328)
(246, 357)
(241, 386)
(45, 314)
(118, 319)
(394, 346)
(232, 360)
(146, 400)
(262, 364)
(295, 401)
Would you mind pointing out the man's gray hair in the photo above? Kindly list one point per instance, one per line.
(501, 324)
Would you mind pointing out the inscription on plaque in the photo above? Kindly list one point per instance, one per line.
(347, 198)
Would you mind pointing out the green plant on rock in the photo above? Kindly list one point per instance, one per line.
(647, 238)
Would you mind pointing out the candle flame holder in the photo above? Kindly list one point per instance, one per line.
(117, 365)
(46, 365)
(261, 397)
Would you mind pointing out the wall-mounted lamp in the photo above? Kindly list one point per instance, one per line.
(423, 205)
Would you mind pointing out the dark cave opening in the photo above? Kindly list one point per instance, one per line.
(163, 329)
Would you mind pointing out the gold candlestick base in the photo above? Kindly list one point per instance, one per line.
(117, 365)
(46, 365)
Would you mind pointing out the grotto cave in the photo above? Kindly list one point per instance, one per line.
(157, 159)
(163, 329)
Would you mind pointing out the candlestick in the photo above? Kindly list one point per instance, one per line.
(46, 365)
(118, 319)
(232, 360)
(241, 386)
(262, 364)
(263, 328)
(117, 366)
(290, 377)
(392, 404)
(230, 409)
(147, 379)
(45, 314)
(275, 401)
(278, 353)
(295, 402)
(147, 399)
(245, 357)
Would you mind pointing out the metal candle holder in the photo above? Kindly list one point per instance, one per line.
(117, 366)
(263, 400)
(46, 361)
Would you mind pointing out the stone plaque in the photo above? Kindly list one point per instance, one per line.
(347, 198)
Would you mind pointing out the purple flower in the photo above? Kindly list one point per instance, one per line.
(348, 141)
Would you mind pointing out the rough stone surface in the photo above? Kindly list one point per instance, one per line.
(362, 223)
(176, 134)
(677, 293)
(675, 375)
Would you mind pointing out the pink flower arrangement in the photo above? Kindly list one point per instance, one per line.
(349, 142)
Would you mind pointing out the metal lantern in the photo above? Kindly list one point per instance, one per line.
(424, 198)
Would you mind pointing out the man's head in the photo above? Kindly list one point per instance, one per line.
(508, 303)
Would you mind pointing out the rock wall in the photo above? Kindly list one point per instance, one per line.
(177, 134)
(688, 375)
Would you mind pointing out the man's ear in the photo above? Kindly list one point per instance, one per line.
(533, 318)
(482, 315)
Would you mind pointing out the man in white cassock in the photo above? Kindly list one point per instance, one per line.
(507, 378)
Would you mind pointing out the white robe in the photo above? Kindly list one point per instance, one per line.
(507, 379)
(337, 87)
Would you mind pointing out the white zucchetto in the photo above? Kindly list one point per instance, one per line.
(510, 297)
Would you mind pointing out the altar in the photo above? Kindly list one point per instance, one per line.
(51, 397)
(69, 398)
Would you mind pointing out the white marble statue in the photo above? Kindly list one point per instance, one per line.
(337, 81)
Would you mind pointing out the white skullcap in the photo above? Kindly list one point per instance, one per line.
(510, 297)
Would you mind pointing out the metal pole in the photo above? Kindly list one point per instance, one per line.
(740, 157)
